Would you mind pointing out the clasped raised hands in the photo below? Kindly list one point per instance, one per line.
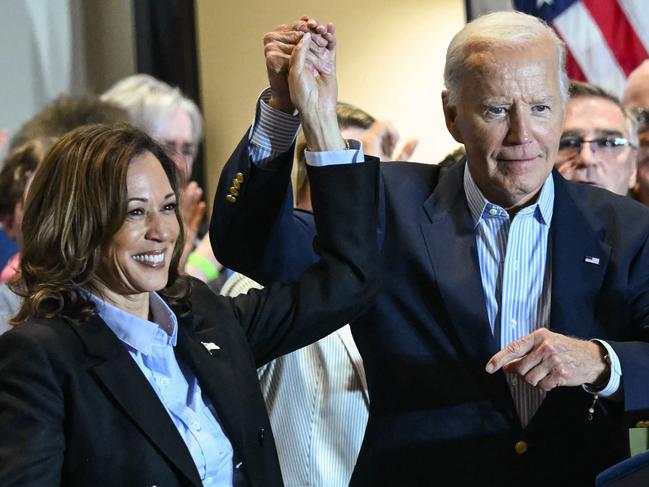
(278, 49)
(301, 65)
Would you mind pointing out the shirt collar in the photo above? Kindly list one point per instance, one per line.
(478, 204)
(138, 333)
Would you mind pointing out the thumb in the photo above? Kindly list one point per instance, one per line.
(298, 58)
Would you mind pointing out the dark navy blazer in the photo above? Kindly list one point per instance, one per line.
(436, 417)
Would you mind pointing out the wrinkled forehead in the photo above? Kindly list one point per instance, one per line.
(481, 56)
(506, 73)
(594, 114)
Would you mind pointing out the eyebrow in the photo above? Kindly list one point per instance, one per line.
(144, 200)
(599, 132)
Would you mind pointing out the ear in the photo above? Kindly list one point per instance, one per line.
(450, 116)
(633, 178)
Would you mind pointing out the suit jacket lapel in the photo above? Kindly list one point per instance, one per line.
(451, 243)
(126, 383)
(215, 374)
(345, 336)
(579, 261)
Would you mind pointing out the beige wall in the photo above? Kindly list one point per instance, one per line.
(109, 42)
(390, 62)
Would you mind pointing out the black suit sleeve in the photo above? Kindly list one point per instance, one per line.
(335, 290)
(32, 441)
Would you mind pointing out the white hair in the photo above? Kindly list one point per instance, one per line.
(149, 101)
(499, 29)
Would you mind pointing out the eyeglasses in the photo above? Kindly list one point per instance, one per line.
(570, 147)
(187, 151)
(642, 116)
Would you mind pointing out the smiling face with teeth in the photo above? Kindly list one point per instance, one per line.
(138, 257)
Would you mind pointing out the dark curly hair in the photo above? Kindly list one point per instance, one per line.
(76, 204)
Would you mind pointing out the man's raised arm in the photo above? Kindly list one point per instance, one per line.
(254, 229)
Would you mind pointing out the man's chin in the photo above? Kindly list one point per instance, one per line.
(591, 183)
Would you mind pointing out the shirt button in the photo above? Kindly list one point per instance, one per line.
(164, 381)
(513, 322)
(207, 481)
(493, 211)
(196, 426)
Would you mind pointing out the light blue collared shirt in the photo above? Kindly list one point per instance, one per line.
(151, 344)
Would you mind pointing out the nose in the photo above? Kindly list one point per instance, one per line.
(158, 229)
(519, 127)
(586, 156)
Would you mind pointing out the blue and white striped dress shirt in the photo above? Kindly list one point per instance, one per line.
(151, 344)
(516, 272)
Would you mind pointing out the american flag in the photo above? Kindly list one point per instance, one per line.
(606, 39)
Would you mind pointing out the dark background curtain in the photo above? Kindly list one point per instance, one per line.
(165, 39)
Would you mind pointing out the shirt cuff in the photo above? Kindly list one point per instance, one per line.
(272, 133)
(615, 379)
(329, 158)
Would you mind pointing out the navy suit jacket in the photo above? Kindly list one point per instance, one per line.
(436, 417)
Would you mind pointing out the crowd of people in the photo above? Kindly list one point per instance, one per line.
(482, 321)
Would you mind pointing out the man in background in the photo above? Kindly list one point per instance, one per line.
(636, 99)
(599, 142)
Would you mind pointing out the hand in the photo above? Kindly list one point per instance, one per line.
(4, 137)
(192, 210)
(278, 47)
(381, 140)
(203, 249)
(314, 91)
(547, 360)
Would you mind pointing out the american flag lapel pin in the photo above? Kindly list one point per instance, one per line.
(211, 347)
(591, 260)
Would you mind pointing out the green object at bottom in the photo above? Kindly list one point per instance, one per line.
(638, 440)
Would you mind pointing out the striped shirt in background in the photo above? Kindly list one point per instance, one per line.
(317, 404)
(272, 133)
